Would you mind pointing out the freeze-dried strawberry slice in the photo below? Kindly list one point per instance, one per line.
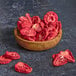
(4, 60)
(54, 56)
(68, 55)
(58, 26)
(31, 38)
(41, 36)
(42, 24)
(27, 32)
(19, 25)
(22, 18)
(12, 55)
(52, 35)
(26, 24)
(36, 19)
(29, 18)
(59, 60)
(36, 27)
(23, 67)
(23, 23)
(50, 17)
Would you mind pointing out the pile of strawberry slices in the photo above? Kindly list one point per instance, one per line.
(36, 29)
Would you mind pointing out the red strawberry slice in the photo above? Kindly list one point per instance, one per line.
(26, 24)
(27, 32)
(29, 18)
(54, 56)
(58, 26)
(12, 55)
(52, 34)
(36, 19)
(42, 24)
(22, 18)
(50, 17)
(59, 60)
(31, 38)
(68, 55)
(41, 36)
(36, 27)
(23, 67)
(4, 60)
(19, 25)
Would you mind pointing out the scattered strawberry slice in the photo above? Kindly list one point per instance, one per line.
(23, 67)
(4, 60)
(12, 55)
(50, 17)
(68, 55)
(27, 32)
(36, 19)
(59, 60)
(63, 57)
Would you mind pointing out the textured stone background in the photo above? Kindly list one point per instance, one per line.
(41, 62)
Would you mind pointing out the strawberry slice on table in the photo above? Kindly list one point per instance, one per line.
(63, 57)
(4, 60)
(23, 68)
(68, 55)
(12, 55)
(59, 60)
(50, 17)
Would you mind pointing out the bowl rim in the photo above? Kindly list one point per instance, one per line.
(16, 34)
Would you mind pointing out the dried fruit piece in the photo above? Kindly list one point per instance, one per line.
(68, 55)
(27, 32)
(29, 18)
(50, 17)
(52, 34)
(42, 24)
(58, 26)
(31, 38)
(23, 67)
(36, 19)
(19, 25)
(63, 57)
(41, 36)
(22, 18)
(54, 56)
(59, 60)
(36, 27)
(4, 60)
(23, 23)
(12, 55)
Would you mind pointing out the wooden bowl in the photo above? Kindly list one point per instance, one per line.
(37, 45)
